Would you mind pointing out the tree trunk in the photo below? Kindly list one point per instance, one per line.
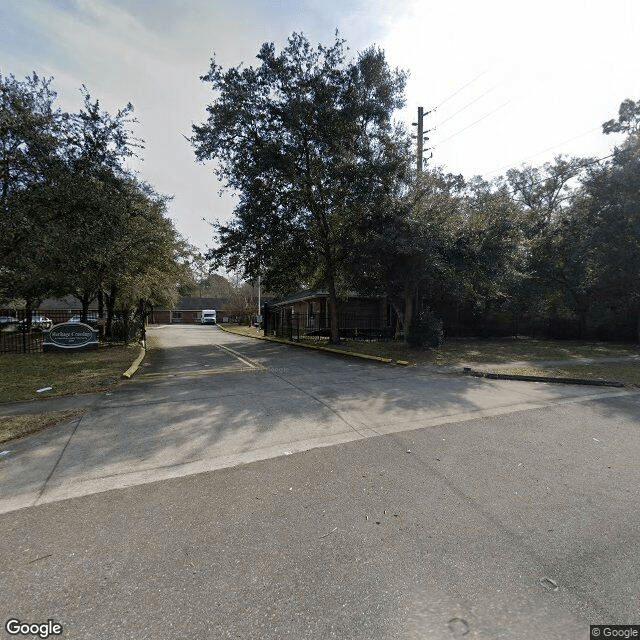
(330, 279)
(408, 311)
(143, 320)
(101, 312)
(334, 326)
(399, 320)
(29, 315)
(111, 303)
(85, 306)
(125, 325)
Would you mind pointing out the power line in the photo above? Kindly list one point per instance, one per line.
(504, 104)
(555, 146)
(579, 168)
(468, 105)
(455, 93)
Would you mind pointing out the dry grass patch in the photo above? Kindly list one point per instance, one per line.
(12, 427)
(243, 330)
(509, 350)
(626, 372)
(477, 350)
(21, 375)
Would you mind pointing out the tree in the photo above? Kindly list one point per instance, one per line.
(205, 282)
(580, 238)
(552, 282)
(628, 119)
(72, 218)
(243, 303)
(61, 176)
(613, 216)
(30, 130)
(307, 142)
(408, 252)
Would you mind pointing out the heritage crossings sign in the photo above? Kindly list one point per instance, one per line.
(70, 335)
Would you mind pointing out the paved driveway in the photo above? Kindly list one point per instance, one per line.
(206, 399)
(452, 508)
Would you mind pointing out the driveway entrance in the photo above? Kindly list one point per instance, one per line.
(209, 400)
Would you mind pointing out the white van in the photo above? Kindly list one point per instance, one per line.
(208, 316)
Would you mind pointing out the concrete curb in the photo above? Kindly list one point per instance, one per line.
(363, 356)
(512, 376)
(465, 371)
(136, 363)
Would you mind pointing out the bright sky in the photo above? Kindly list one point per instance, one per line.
(511, 82)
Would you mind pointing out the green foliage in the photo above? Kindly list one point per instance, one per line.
(72, 218)
(426, 330)
(307, 142)
(628, 119)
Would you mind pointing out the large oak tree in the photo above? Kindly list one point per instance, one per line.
(307, 142)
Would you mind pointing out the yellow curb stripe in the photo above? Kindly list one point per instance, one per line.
(136, 363)
(318, 348)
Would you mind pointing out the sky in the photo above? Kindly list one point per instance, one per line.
(506, 82)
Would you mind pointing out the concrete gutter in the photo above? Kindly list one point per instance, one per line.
(341, 352)
(512, 376)
(136, 363)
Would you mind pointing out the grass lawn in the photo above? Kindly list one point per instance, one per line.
(21, 375)
(475, 350)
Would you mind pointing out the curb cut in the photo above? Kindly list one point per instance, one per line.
(136, 363)
(512, 376)
(339, 352)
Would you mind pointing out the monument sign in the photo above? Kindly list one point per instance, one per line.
(70, 335)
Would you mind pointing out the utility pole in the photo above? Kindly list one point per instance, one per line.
(259, 302)
(421, 137)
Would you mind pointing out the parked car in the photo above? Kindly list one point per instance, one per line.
(92, 318)
(37, 322)
(7, 321)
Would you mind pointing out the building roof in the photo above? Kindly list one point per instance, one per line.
(314, 294)
(192, 303)
(68, 302)
(300, 296)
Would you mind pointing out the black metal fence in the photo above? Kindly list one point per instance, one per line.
(298, 326)
(21, 333)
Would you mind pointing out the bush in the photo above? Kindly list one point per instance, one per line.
(426, 330)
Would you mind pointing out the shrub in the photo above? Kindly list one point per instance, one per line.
(426, 330)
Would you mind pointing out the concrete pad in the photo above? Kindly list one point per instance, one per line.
(30, 462)
(166, 426)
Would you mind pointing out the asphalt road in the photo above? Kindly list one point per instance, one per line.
(241, 489)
